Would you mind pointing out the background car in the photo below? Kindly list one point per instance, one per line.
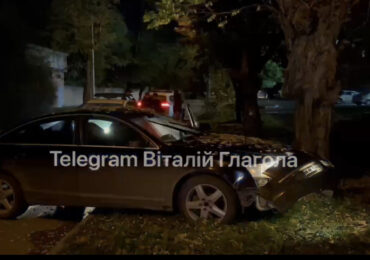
(108, 103)
(362, 98)
(126, 98)
(262, 94)
(166, 98)
(347, 96)
(366, 98)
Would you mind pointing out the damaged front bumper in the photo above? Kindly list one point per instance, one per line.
(285, 189)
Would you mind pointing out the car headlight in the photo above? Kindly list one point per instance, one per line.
(259, 171)
(263, 181)
(327, 164)
(312, 169)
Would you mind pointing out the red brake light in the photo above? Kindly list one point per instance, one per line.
(165, 105)
(139, 104)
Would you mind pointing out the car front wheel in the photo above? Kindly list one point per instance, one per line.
(12, 203)
(208, 197)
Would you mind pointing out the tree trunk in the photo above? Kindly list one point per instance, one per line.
(239, 102)
(88, 92)
(312, 81)
(312, 127)
(246, 83)
(251, 114)
(311, 30)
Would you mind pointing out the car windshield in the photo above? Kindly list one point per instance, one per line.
(165, 129)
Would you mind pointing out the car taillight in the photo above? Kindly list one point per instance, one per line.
(139, 104)
(165, 105)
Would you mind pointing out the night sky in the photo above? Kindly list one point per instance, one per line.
(35, 15)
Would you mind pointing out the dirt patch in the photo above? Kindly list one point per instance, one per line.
(44, 241)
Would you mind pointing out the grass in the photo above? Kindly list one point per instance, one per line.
(316, 225)
(278, 127)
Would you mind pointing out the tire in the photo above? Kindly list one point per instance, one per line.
(15, 204)
(206, 206)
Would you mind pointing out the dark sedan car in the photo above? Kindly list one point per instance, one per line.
(120, 159)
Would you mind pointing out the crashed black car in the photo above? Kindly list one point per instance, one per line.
(30, 173)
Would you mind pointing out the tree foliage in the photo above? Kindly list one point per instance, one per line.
(233, 34)
(220, 107)
(72, 24)
(161, 61)
(272, 75)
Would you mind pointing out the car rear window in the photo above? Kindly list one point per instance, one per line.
(45, 132)
(162, 98)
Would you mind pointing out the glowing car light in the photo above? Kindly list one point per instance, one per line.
(107, 131)
(261, 182)
(165, 105)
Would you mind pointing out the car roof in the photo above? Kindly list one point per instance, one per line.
(107, 101)
(162, 92)
(119, 112)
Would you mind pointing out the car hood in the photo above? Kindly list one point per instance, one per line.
(227, 142)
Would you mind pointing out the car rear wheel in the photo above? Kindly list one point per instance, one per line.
(207, 197)
(12, 203)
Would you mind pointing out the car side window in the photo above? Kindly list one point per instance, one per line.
(101, 132)
(46, 132)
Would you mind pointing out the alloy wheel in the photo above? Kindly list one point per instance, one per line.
(7, 197)
(206, 202)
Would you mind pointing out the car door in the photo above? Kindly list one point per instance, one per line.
(27, 154)
(125, 185)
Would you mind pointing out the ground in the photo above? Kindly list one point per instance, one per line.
(316, 225)
(36, 232)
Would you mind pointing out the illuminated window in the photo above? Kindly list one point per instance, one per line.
(110, 133)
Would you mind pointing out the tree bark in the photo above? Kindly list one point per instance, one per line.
(251, 114)
(312, 127)
(88, 95)
(311, 30)
(239, 102)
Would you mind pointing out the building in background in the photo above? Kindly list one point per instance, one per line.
(57, 63)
